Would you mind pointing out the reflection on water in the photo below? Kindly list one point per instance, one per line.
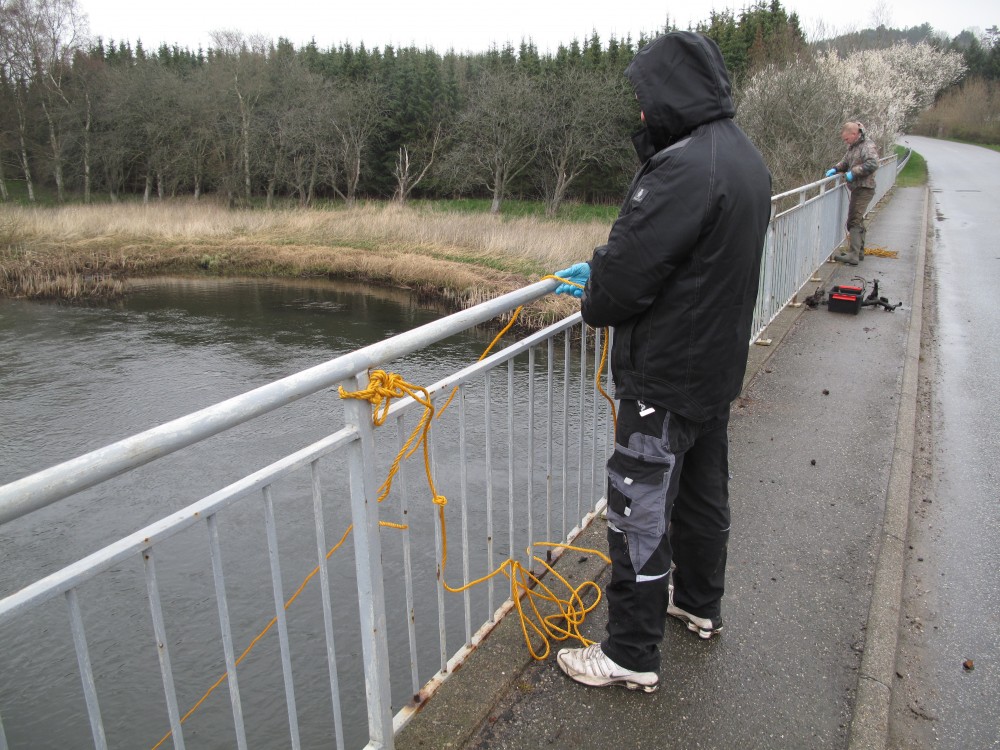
(75, 378)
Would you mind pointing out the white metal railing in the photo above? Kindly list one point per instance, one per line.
(523, 433)
(801, 237)
(506, 404)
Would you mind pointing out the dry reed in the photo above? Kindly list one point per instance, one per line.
(86, 251)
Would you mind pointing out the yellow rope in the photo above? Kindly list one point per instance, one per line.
(881, 252)
(524, 584)
(261, 634)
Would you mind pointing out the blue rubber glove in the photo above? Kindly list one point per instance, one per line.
(831, 172)
(849, 176)
(578, 273)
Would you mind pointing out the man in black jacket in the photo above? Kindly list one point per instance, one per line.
(678, 281)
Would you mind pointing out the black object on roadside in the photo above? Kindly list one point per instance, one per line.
(873, 300)
(845, 298)
(850, 298)
(815, 299)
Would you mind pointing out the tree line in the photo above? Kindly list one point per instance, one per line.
(255, 121)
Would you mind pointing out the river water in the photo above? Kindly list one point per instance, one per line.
(75, 378)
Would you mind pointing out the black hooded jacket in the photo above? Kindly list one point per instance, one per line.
(678, 277)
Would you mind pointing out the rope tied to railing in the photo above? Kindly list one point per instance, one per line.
(565, 623)
(571, 612)
(524, 583)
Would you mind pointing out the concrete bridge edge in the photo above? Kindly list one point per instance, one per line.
(870, 721)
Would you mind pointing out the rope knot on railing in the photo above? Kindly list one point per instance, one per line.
(382, 388)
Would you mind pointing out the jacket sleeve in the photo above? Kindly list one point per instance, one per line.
(869, 161)
(656, 231)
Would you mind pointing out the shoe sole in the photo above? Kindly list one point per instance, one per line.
(703, 633)
(591, 682)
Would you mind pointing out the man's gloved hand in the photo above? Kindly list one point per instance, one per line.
(578, 273)
(831, 172)
(849, 175)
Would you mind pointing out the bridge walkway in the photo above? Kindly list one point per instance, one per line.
(820, 490)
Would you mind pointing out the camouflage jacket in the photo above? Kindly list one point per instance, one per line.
(862, 160)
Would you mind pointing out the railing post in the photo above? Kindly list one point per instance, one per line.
(368, 565)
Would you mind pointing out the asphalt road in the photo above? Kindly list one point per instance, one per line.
(951, 608)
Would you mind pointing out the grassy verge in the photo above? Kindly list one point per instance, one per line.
(914, 173)
(991, 146)
(568, 212)
(460, 256)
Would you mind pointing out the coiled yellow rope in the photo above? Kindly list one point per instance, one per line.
(524, 584)
(563, 624)
(881, 252)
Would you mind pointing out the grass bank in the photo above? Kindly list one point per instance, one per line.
(460, 255)
(914, 173)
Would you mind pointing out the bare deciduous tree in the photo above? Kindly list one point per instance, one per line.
(242, 60)
(403, 170)
(498, 133)
(577, 127)
(39, 38)
(792, 114)
(359, 110)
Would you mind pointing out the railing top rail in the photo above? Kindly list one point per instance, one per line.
(113, 554)
(901, 163)
(775, 199)
(82, 570)
(30, 493)
(819, 183)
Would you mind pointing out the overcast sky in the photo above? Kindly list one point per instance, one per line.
(470, 26)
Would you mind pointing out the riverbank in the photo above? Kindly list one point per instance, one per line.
(90, 252)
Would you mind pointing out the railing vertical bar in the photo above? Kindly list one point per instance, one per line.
(488, 446)
(324, 581)
(368, 568)
(163, 652)
(531, 453)
(567, 347)
(404, 513)
(463, 460)
(510, 457)
(549, 395)
(595, 398)
(439, 532)
(3, 736)
(279, 609)
(86, 673)
(582, 437)
(609, 429)
(225, 628)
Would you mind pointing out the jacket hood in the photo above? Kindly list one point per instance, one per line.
(681, 82)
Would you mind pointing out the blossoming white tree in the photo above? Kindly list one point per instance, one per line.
(792, 113)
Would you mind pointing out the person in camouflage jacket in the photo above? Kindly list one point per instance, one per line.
(858, 166)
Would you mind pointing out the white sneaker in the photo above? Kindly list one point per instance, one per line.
(704, 627)
(590, 666)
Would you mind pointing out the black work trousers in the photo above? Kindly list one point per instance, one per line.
(665, 468)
